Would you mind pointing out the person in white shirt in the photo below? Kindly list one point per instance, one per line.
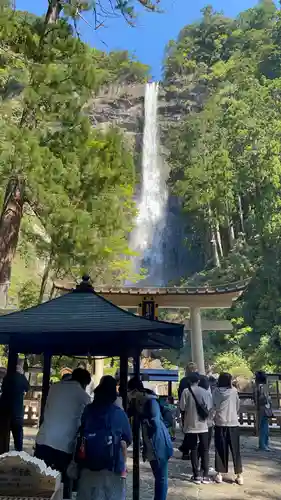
(196, 427)
(56, 438)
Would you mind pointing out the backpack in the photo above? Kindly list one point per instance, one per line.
(99, 446)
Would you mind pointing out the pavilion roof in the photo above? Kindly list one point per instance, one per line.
(83, 322)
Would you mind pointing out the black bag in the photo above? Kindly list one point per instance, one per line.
(202, 409)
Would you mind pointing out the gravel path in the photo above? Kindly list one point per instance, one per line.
(262, 474)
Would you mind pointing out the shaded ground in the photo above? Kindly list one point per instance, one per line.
(262, 474)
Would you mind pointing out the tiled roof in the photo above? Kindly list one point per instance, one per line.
(238, 286)
(85, 323)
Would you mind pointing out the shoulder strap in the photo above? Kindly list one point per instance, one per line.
(193, 395)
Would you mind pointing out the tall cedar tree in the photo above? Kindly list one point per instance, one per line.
(79, 181)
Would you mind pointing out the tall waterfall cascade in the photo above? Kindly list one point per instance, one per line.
(147, 238)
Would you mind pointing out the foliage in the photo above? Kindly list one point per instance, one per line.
(28, 294)
(77, 182)
(102, 10)
(226, 168)
(233, 363)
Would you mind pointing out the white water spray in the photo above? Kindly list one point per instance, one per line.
(147, 237)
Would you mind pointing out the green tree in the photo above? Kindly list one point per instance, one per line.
(225, 158)
(78, 181)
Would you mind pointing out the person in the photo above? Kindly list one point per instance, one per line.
(171, 407)
(196, 427)
(204, 382)
(118, 400)
(226, 408)
(212, 383)
(102, 451)
(56, 438)
(14, 387)
(157, 444)
(185, 381)
(184, 384)
(264, 410)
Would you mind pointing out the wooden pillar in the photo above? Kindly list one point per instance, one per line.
(170, 389)
(45, 383)
(12, 361)
(5, 413)
(124, 380)
(136, 439)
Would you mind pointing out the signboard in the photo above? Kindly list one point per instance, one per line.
(149, 309)
(24, 478)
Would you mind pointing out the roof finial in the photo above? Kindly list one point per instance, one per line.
(85, 286)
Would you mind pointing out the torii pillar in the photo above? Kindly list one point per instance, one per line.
(196, 338)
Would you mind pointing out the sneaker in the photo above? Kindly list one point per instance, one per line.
(239, 480)
(196, 479)
(206, 480)
(218, 478)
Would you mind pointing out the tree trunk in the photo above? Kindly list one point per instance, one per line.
(10, 222)
(241, 215)
(216, 258)
(214, 246)
(219, 242)
(53, 12)
(231, 232)
(45, 278)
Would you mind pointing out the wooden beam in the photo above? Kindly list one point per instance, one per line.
(208, 325)
(124, 379)
(45, 383)
(136, 439)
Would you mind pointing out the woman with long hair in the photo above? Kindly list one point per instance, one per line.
(227, 436)
(101, 452)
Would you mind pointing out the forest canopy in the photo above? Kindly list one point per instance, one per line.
(66, 187)
(226, 164)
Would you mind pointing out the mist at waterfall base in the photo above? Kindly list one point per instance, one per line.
(147, 238)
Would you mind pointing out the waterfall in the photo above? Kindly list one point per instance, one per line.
(148, 235)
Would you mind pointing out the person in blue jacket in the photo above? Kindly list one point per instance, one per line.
(101, 455)
(157, 444)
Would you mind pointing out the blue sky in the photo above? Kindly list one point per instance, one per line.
(148, 39)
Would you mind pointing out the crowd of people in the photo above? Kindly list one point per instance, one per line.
(86, 439)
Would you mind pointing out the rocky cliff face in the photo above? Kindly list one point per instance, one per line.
(123, 106)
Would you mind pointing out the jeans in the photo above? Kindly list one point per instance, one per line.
(263, 433)
(160, 473)
(16, 426)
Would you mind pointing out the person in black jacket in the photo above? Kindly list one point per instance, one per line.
(14, 387)
(185, 381)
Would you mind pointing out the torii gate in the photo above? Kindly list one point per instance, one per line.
(148, 300)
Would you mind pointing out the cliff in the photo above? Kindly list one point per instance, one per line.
(123, 106)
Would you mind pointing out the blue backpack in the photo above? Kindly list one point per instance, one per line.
(99, 447)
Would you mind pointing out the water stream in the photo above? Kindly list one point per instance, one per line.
(148, 235)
